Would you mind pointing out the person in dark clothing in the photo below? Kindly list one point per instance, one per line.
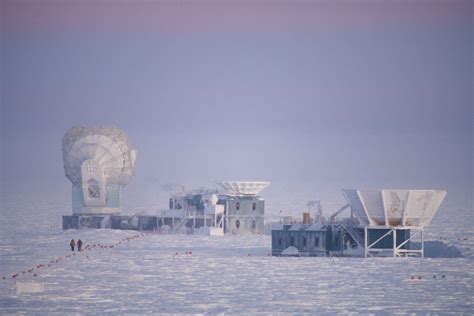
(72, 244)
(79, 245)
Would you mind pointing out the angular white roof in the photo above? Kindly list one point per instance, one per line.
(406, 208)
(243, 187)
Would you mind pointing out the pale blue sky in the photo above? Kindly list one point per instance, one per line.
(313, 108)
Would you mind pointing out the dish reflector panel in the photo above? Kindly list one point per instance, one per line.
(243, 187)
(97, 161)
(395, 207)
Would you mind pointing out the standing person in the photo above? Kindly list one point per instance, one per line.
(79, 245)
(72, 244)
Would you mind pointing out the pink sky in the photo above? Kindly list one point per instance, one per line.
(279, 15)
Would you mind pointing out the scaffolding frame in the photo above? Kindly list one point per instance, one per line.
(396, 250)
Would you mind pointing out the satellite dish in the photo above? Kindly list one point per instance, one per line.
(243, 187)
(98, 161)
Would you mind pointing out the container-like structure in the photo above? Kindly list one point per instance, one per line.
(384, 213)
(98, 161)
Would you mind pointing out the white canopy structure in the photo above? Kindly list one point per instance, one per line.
(403, 208)
(98, 161)
(243, 187)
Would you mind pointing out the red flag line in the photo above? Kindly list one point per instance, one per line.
(87, 247)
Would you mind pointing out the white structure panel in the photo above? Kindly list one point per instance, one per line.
(394, 204)
(422, 206)
(404, 208)
(372, 200)
(352, 197)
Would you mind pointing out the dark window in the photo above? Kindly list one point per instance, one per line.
(94, 189)
(316, 241)
(237, 223)
(237, 206)
(254, 224)
(292, 241)
(304, 241)
(280, 242)
(254, 206)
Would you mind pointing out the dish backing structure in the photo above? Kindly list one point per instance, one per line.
(98, 161)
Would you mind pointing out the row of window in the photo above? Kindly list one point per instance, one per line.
(254, 206)
(305, 241)
(237, 224)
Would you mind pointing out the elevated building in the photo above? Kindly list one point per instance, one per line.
(392, 218)
(238, 209)
(382, 223)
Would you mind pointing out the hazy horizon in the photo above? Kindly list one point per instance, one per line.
(312, 96)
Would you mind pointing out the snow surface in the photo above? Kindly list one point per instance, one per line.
(231, 274)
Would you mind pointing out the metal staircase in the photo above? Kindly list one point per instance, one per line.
(133, 221)
(180, 224)
(351, 228)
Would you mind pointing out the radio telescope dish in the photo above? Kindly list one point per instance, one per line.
(243, 187)
(405, 208)
(98, 161)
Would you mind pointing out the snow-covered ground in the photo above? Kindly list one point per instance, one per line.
(223, 274)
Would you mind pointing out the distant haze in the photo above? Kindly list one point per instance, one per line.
(314, 96)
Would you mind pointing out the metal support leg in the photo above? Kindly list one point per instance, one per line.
(394, 235)
(366, 237)
(422, 245)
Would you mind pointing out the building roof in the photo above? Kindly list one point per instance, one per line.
(316, 227)
(300, 227)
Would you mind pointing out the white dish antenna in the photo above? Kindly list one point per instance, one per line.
(98, 161)
(243, 187)
(406, 208)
